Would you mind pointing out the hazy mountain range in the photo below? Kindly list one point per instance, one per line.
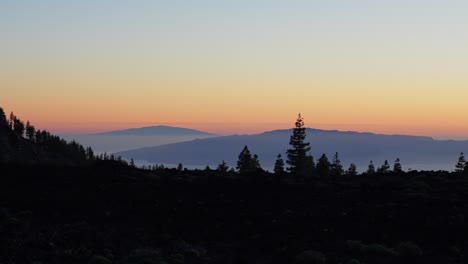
(156, 131)
(415, 152)
(132, 138)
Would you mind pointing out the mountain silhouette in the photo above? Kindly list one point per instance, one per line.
(419, 152)
(156, 131)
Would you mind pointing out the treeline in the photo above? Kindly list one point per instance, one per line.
(51, 144)
(43, 139)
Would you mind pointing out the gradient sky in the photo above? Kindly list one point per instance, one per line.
(237, 66)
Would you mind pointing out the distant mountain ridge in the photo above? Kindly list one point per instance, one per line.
(356, 147)
(160, 130)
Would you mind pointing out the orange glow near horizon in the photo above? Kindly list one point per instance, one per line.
(62, 124)
(259, 106)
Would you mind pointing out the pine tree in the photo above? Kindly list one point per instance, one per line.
(460, 164)
(255, 163)
(3, 119)
(38, 137)
(336, 168)
(18, 126)
(180, 167)
(246, 163)
(30, 131)
(279, 166)
(90, 154)
(297, 154)
(370, 168)
(223, 167)
(384, 168)
(397, 166)
(352, 170)
(245, 160)
(323, 166)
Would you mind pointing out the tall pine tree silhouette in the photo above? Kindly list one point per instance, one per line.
(297, 154)
(460, 164)
(279, 166)
(247, 163)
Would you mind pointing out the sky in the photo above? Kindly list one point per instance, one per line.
(244, 66)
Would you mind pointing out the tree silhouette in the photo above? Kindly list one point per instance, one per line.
(38, 137)
(297, 154)
(11, 120)
(384, 168)
(3, 119)
(279, 166)
(255, 162)
(336, 168)
(246, 163)
(352, 170)
(459, 167)
(89, 153)
(180, 167)
(371, 168)
(397, 166)
(30, 131)
(223, 167)
(18, 126)
(323, 166)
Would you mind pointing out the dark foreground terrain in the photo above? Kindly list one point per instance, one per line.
(109, 213)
